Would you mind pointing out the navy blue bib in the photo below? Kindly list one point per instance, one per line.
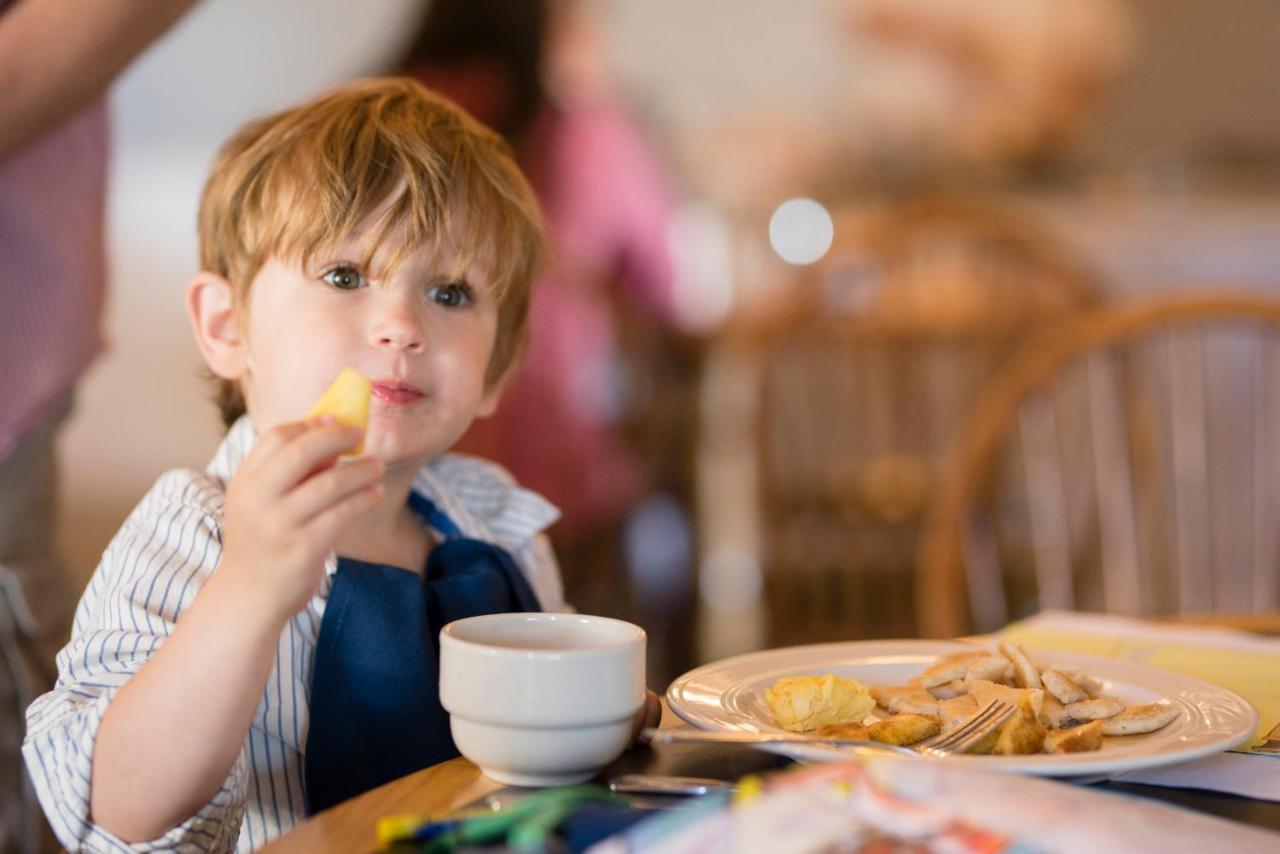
(375, 685)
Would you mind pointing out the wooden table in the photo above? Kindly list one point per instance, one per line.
(350, 826)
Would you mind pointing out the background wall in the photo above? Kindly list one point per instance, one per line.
(1206, 77)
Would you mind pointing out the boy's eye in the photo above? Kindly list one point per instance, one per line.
(344, 278)
(452, 295)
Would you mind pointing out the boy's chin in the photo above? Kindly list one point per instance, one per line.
(398, 451)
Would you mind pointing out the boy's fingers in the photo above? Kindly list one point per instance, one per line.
(314, 448)
(278, 435)
(326, 488)
(650, 715)
(328, 524)
(274, 439)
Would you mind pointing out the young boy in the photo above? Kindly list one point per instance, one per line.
(222, 641)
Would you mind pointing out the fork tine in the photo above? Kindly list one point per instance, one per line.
(976, 735)
(971, 732)
(979, 719)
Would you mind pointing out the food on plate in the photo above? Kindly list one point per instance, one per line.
(1077, 739)
(1025, 674)
(1023, 733)
(1058, 709)
(1092, 687)
(949, 690)
(804, 703)
(907, 728)
(904, 698)
(346, 399)
(1054, 714)
(1094, 709)
(985, 692)
(956, 711)
(1062, 686)
(1139, 719)
(948, 668)
(842, 731)
(991, 668)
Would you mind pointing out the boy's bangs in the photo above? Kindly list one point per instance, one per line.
(450, 194)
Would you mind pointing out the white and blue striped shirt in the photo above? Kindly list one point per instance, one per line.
(152, 571)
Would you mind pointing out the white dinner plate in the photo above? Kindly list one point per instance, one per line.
(729, 695)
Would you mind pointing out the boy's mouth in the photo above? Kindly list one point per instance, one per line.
(395, 393)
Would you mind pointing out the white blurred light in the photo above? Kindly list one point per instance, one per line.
(701, 254)
(800, 231)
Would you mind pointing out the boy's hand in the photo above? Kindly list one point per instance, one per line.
(286, 507)
(650, 715)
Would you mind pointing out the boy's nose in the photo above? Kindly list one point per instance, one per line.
(397, 329)
(401, 342)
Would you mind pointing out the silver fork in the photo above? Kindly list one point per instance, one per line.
(963, 738)
(760, 739)
(970, 734)
(1272, 744)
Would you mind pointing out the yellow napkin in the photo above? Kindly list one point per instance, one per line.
(1246, 664)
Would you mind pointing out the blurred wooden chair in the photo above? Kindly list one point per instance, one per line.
(865, 371)
(1126, 461)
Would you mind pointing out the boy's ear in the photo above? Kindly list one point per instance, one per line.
(211, 308)
(493, 394)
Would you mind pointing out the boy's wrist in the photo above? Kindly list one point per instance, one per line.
(247, 604)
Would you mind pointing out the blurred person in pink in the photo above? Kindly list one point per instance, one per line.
(532, 71)
(57, 58)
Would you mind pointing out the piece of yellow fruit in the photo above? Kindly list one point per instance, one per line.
(347, 400)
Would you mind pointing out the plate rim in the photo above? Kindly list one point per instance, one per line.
(1046, 765)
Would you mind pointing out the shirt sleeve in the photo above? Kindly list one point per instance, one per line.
(148, 575)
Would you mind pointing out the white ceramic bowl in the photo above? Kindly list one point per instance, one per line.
(541, 699)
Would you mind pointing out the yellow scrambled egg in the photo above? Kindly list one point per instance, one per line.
(803, 703)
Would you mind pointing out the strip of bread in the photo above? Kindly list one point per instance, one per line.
(904, 729)
(1140, 719)
(1062, 687)
(949, 690)
(956, 711)
(1095, 709)
(904, 698)
(1024, 672)
(1054, 714)
(1092, 687)
(993, 668)
(984, 692)
(1078, 739)
(947, 668)
(842, 731)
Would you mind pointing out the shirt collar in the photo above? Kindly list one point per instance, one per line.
(234, 448)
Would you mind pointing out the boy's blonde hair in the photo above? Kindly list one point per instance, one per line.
(299, 181)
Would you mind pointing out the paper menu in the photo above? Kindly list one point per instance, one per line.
(892, 804)
(1240, 662)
